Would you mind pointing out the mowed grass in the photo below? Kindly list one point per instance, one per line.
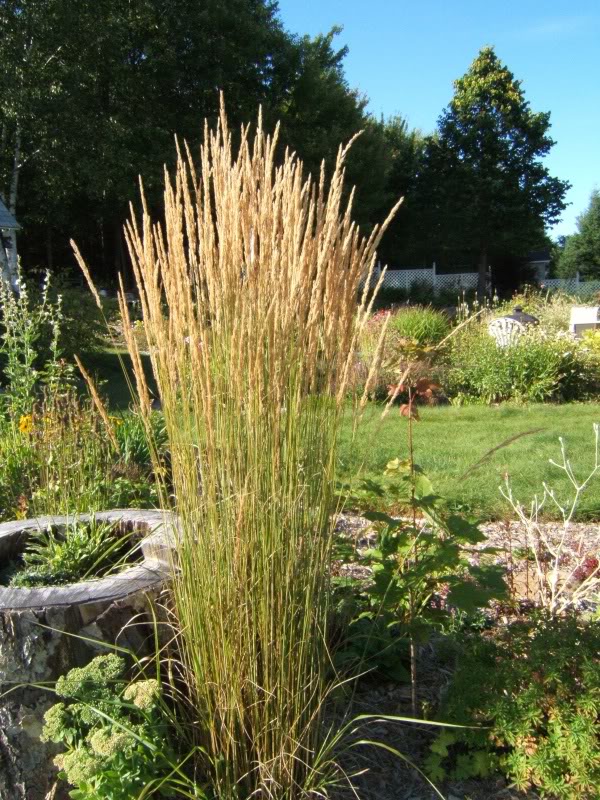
(107, 368)
(449, 441)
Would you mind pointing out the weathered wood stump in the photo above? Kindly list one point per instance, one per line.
(41, 634)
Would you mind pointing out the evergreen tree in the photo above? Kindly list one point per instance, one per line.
(483, 187)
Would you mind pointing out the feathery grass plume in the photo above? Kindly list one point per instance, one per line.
(250, 293)
(98, 404)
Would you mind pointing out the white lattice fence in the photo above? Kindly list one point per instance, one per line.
(407, 278)
(458, 281)
(572, 285)
(568, 284)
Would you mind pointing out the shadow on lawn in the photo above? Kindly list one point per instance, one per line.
(107, 369)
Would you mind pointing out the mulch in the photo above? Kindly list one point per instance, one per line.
(383, 775)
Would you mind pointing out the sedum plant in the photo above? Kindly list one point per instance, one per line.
(248, 292)
(119, 737)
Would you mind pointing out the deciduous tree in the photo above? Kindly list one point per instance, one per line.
(581, 252)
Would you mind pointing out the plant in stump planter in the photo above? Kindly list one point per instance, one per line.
(47, 630)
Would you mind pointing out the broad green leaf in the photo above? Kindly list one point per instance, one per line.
(464, 530)
(378, 516)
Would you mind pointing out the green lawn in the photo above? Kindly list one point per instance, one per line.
(449, 440)
(107, 369)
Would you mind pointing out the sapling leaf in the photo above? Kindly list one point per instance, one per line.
(372, 487)
(397, 672)
(429, 502)
(398, 465)
(378, 516)
(490, 577)
(464, 530)
(422, 487)
(468, 596)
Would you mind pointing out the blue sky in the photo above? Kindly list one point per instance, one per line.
(405, 55)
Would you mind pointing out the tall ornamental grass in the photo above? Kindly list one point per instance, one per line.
(249, 295)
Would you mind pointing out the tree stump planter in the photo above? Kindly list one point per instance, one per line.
(40, 638)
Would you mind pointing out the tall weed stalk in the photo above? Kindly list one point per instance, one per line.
(249, 298)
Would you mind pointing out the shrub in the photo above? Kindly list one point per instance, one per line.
(388, 298)
(83, 327)
(537, 367)
(536, 690)
(591, 342)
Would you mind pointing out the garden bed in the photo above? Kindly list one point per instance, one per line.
(381, 773)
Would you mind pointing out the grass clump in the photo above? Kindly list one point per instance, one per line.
(248, 293)
(424, 324)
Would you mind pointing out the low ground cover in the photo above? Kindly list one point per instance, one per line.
(450, 441)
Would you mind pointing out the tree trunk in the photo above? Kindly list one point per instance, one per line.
(482, 273)
(10, 270)
(49, 249)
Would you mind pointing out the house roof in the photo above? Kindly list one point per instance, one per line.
(539, 255)
(6, 218)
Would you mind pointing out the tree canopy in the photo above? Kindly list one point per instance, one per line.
(581, 251)
(93, 93)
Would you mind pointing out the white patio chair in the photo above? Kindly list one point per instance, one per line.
(505, 330)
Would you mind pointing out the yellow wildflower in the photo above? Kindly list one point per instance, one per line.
(26, 423)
